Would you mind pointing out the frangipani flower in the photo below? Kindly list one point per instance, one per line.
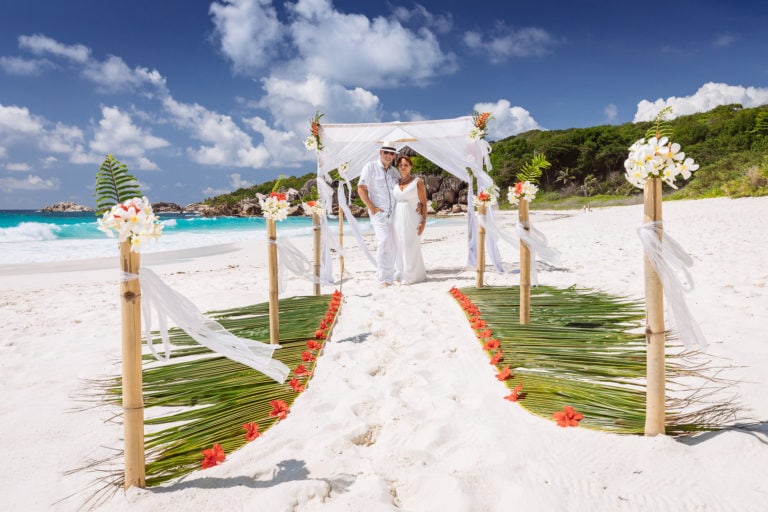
(313, 208)
(657, 158)
(132, 220)
(275, 206)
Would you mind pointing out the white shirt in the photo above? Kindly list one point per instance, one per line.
(380, 185)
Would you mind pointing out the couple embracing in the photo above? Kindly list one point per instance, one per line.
(397, 206)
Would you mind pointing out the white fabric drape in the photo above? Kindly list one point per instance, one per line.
(444, 142)
(167, 303)
(669, 260)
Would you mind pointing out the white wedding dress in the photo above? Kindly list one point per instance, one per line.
(409, 264)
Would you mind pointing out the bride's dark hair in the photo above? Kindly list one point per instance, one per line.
(403, 157)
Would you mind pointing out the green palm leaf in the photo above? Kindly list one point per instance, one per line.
(579, 350)
(114, 185)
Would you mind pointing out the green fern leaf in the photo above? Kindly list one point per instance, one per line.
(114, 185)
(661, 127)
(531, 170)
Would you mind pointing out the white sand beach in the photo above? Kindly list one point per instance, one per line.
(403, 412)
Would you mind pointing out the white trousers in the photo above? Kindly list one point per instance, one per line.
(386, 247)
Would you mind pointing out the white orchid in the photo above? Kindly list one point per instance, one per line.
(132, 220)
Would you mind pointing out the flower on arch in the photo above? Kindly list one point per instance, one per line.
(480, 125)
(568, 417)
(213, 456)
(252, 431)
(279, 410)
(313, 142)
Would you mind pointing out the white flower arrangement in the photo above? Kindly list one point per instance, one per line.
(487, 196)
(524, 190)
(343, 168)
(275, 206)
(476, 134)
(313, 208)
(132, 220)
(311, 143)
(657, 158)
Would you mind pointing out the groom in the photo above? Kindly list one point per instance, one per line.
(377, 180)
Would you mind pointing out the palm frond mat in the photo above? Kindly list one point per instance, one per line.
(206, 405)
(578, 363)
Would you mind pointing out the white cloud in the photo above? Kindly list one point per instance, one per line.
(39, 44)
(248, 32)
(507, 120)
(709, 96)
(507, 43)
(611, 112)
(419, 15)
(18, 167)
(18, 120)
(236, 181)
(114, 75)
(723, 40)
(118, 135)
(24, 67)
(48, 161)
(227, 145)
(30, 183)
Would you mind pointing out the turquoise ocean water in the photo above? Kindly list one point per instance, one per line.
(29, 236)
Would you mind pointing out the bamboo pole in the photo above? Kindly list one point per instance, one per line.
(274, 323)
(316, 232)
(654, 327)
(341, 244)
(480, 247)
(133, 401)
(525, 266)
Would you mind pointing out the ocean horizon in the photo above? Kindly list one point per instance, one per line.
(34, 236)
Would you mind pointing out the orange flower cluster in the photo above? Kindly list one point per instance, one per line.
(279, 195)
(314, 129)
(481, 119)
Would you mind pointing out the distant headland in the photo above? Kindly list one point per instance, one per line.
(66, 206)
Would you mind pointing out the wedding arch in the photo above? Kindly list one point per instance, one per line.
(455, 145)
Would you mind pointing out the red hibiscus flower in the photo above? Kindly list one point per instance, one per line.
(213, 456)
(504, 374)
(296, 385)
(314, 345)
(568, 417)
(307, 356)
(516, 394)
(519, 188)
(491, 344)
(279, 410)
(251, 431)
(300, 371)
(485, 334)
(498, 356)
(319, 334)
(483, 196)
(479, 324)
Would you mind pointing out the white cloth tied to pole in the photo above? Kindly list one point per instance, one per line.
(209, 333)
(289, 257)
(532, 238)
(669, 260)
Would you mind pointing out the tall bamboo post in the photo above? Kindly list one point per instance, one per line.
(480, 247)
(316, 232)
(525, 265)
(133, 401)
(274, 323)
(654, 327)
(341, 244)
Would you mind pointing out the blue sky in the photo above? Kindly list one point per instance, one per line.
(200, 97)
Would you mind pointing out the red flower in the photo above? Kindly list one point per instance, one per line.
(515, 395)
(307, 356)
(252, 431)
(319, 334)
(504, 374)
(296, 385)
(491, 344)
(519, 188)
(479, 324)
(485, 334)
(483, 196)
(498, 356)
(213, 456)
(300, 371)
(314, 345)
(279, 410)
(311, 203)
(568, 417)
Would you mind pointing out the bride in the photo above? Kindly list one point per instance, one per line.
(409, 221)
